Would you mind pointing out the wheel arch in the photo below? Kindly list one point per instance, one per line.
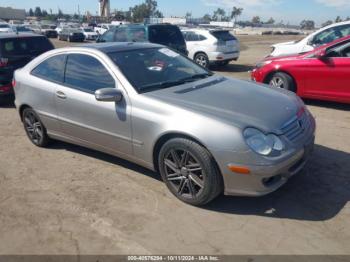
(270, 74)
(200, 52)
(166, 137)
(21, 109)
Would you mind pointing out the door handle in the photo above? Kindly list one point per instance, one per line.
(61, 95)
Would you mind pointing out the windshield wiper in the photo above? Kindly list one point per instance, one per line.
(167, 84)
(196, 77)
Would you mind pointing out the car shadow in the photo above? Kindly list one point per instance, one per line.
(58, 145)
(328, 104)
(318, 193)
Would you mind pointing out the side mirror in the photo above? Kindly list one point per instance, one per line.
(321, 54)
(108, 95)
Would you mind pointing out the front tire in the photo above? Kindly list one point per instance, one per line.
(34, 128)
(189, 171)
(202, 60)
(282, 80)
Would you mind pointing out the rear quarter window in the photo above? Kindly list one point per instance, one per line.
(51, 69)
(166, 35)
(223, 35)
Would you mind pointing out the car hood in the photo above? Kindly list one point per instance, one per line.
(283, 44)
(239, 103)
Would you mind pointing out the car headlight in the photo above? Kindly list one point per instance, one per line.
(263, 63)
(261, 143)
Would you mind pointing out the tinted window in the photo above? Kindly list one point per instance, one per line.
(4, 26)
(107, 37)
(86, 73)
(24, 46)
(137, 34)
(51, 69)
(191, 37)
(120, 35)
(223, 35)
(331, 34)
(166, 35)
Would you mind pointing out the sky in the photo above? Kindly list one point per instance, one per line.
(288, 11)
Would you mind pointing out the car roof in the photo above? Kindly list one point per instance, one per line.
(117, 47)
(18, 35)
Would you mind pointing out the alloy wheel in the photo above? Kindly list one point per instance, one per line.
(277, 82)
(184, 173)
(201, 60)
(34, 128)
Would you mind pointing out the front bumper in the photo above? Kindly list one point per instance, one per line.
(266, 178)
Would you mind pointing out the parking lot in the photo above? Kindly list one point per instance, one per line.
(71, 200)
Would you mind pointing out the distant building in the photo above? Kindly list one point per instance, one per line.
(105, 8)
(8, 13)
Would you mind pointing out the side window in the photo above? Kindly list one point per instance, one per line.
(192, 37)
(121, 35)
(108, 36)
(331, 34)
(87, 74)
(51, 69)
(202, 38)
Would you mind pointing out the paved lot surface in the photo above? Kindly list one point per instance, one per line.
(70, 200)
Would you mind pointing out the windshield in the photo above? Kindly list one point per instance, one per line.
(88, 30)
(4, 26)
(157, 68)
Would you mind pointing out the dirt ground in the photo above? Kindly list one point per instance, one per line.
(71, 200)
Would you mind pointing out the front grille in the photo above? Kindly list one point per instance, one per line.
(295, 128)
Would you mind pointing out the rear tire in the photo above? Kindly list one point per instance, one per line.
(282, 80)
(202, 60)
(34, 128)
(189, 171)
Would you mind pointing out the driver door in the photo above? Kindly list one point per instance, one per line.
(328, 77)
(104, 126)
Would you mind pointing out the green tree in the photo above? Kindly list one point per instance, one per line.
(219, 14)
(38, 12)
(31, 12)
(307, 25)
(44, 13)
(256, 20)
(207, 18)
(152, 6)
(338, 19)
(236, 12)
(271, 21)
(327, 23)
(145, 10)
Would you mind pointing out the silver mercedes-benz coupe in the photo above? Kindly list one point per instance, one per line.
(205, 134)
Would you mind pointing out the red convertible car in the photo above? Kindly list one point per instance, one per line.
(323, 73)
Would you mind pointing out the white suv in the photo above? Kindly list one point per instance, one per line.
(321, 37)
(211, 46)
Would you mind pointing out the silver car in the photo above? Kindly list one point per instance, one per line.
(205, 134)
